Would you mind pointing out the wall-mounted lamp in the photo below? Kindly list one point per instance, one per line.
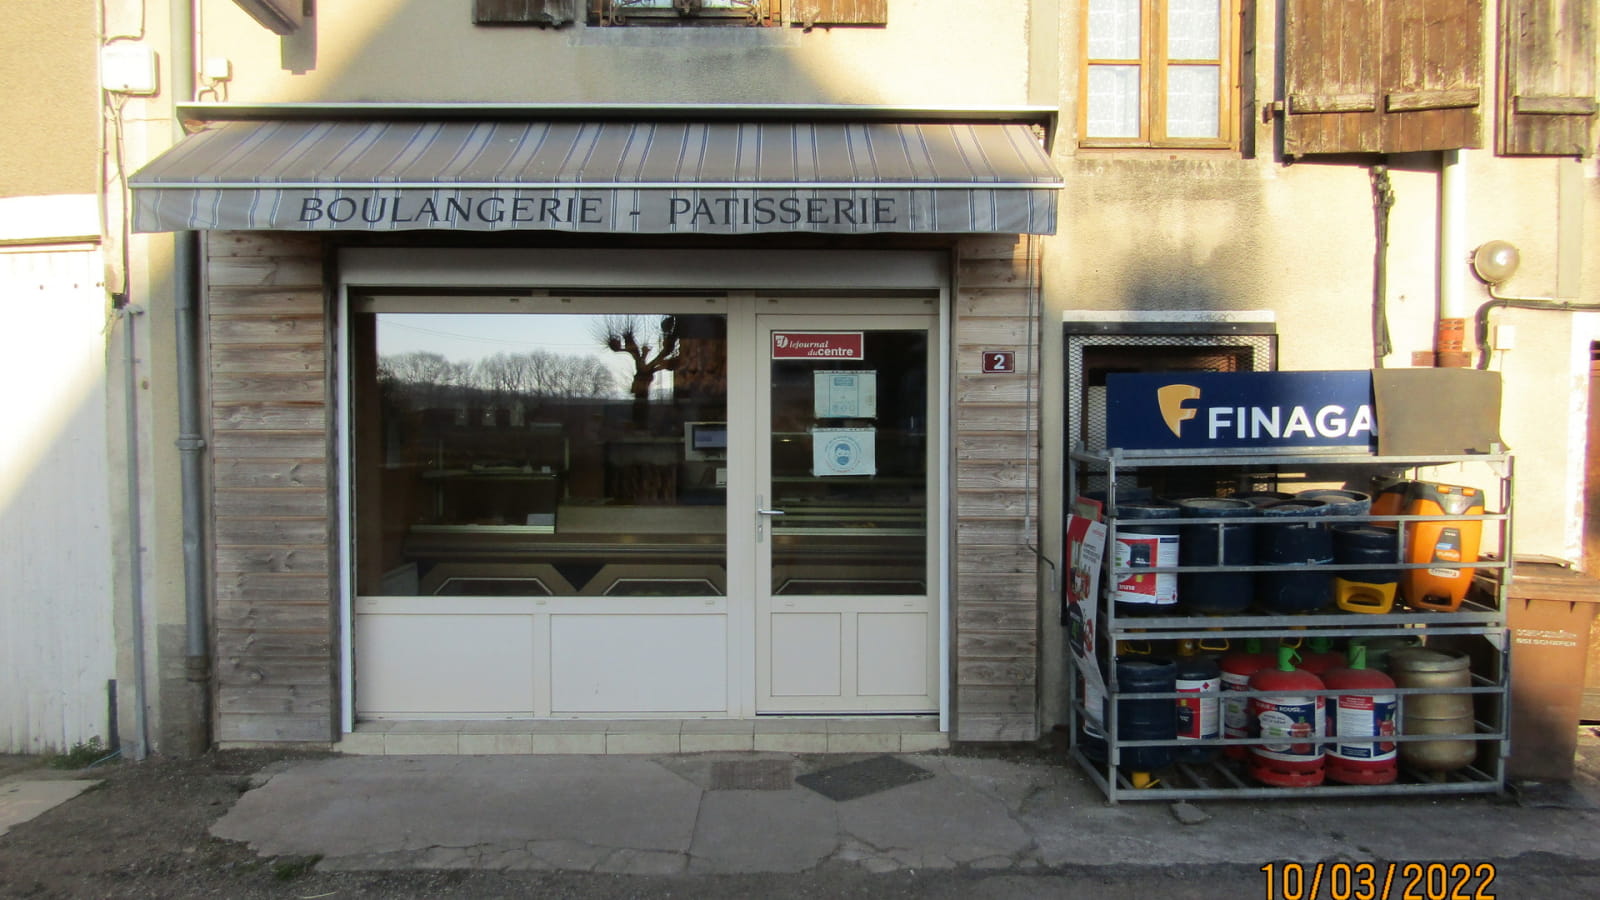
(1495, 262)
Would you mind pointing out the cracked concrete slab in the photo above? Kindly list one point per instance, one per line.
(763, 831)
(379, 805)
(21, 801)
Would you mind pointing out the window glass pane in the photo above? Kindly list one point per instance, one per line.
(850, 470)
(1113, 101)
(1192, 101)
(1194, 29)
(1114, 29)
(540, 455)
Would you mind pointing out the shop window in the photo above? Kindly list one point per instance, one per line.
(1548, 77)
(1384, 76)
(684, 12)
(543, 13)
(501, 454)
(1158, 73)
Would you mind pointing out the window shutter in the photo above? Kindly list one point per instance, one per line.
(1431, 73)
(841, 12)
(522, 12)
(1382, 76)
(1547, 55)
(1331, 60)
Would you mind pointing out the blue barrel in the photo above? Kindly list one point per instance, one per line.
(1340, 503)
(1147, 537)
(1367, 545)
(1146, 720)
(1306, 543)
(1216, 593)
(1262, 498)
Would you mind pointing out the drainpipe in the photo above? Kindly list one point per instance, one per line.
(1455, 307)
(129, 313)
(191, 446)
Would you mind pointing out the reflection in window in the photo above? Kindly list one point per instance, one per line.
(540, 455)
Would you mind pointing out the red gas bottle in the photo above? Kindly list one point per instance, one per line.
(1237, 667)
(1368, 711)
(1294, 723)
(1319, 656)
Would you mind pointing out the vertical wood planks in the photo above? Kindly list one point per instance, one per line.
(271, 424)
(996, 602)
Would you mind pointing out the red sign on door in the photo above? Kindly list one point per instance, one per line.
(817, 345)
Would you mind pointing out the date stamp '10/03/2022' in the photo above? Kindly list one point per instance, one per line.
(1379, 881)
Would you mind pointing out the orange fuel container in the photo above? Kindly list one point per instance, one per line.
(1441, 588)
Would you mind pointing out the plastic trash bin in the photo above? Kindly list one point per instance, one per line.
(1549, 608)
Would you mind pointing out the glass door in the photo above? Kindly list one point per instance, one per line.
(847, 618)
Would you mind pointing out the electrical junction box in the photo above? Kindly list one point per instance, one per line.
(127, 68)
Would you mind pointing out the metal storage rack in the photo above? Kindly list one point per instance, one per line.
(1480, 622)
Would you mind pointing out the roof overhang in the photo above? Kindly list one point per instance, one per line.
(654, 169)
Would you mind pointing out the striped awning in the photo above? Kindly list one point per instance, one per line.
(666, 177)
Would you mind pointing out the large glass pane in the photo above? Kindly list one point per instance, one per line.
(850, 470)
(1193, 101)
(1114, 29)
(1113, 101)
(540, 455)
(1194, 29)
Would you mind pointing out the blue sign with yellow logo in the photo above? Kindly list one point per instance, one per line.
(1239, 410)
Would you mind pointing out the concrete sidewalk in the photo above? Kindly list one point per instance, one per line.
(745, 813)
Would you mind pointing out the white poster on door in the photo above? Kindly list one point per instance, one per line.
(844, 451)
(845, 395)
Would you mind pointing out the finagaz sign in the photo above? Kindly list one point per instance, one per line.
(1239, 410)
(818, 345)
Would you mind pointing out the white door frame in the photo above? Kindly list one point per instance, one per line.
(860, 274)
(848, 315)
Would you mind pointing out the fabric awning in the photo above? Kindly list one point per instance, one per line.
(666, 177)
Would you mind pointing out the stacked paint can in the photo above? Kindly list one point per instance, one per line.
(1147, 537)
(1216, 544)
(1199, 714)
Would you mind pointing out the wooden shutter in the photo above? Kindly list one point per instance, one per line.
(841, 12)
(1382, 76)
(1331, 61)
(521, 12)
(1548, 80)
(1431, 72)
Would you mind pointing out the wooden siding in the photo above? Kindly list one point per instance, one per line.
(271, 466)
(1548, 77)
(808, 13)
(56, 535)
(995, 607)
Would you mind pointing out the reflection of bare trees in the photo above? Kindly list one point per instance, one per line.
(429, 379)
(653, 348)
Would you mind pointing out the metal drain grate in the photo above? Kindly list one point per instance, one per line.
(859, 779)
(752, 775)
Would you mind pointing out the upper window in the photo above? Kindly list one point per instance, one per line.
(683, 12)
(1157, 73)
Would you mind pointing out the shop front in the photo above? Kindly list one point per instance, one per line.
(620, 479)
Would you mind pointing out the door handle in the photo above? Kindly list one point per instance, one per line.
(763, 514)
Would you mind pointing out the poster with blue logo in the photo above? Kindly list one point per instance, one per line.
(844, 451)
(1199, 411)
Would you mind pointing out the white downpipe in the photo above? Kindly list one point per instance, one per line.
(1455, 305)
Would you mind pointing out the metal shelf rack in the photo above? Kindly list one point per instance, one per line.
(1479, 623)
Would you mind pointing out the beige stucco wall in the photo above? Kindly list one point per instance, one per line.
(936, 53)
(50, 66)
